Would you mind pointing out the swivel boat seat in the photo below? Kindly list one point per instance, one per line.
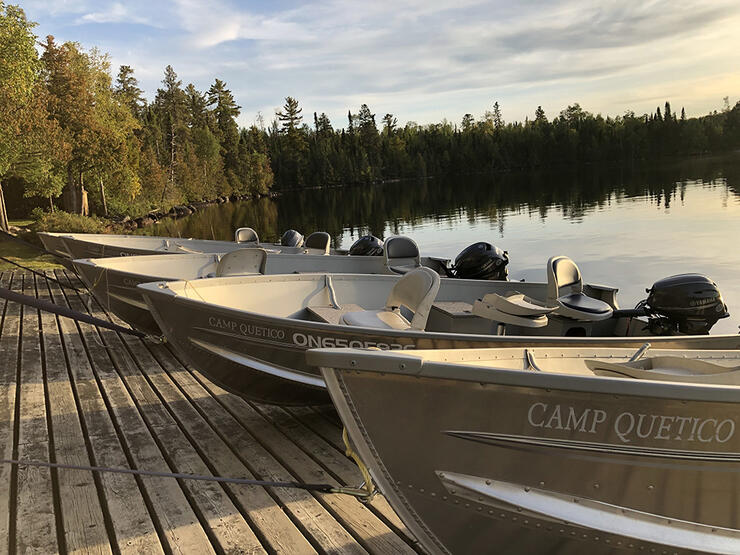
(317, 243)
(416, 291)
(565, 292)
(246, 235)
(401, 254)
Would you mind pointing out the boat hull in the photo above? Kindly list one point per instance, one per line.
(262, 357)
(525, 463)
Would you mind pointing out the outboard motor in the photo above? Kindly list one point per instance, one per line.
(291, 238)
(687, 303)
(482, 261)
(367, 245)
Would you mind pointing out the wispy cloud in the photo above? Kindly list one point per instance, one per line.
(115, 13)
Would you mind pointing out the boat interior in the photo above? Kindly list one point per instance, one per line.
(420, 300)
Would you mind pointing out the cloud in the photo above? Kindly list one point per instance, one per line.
(116, 13)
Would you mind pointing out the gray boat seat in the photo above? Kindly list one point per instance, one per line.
(565, 291)
(242, 262)
(318, 242)
(401, 254)
(415, 291)
(512, 308)
(246, 235)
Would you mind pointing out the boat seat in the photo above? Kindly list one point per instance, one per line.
(241, 262)
(565, 292)
(512, 308)
(415, 291)
(318, 242)
(401, 254)
(246, 235)
(668, 368)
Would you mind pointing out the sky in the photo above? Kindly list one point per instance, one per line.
(421, 60)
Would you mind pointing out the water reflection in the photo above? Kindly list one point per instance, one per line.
(623, 227)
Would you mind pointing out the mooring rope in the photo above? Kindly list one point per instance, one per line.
(41, 304)
(324, 488)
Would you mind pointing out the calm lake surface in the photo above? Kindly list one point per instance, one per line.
(626, 228)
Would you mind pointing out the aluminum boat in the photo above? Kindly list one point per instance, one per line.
(549, 450)
(99, 245)
(250, 333)
(113, 280)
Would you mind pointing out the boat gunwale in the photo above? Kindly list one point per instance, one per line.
(356, 360)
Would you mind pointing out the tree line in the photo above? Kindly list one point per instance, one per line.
(83, 140)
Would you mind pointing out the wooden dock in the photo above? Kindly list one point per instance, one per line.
(72, 393)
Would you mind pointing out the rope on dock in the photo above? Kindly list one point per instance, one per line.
(324, 488)
(41, 304)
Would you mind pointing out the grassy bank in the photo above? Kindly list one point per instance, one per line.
(27, 256)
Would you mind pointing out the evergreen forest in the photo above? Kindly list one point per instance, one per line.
(79, 136)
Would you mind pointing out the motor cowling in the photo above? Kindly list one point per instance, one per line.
(291, 238)
(690, 303)
(367, 245)
(482, 261)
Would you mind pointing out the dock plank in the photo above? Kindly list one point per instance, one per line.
(222, 520)
(71, 384)
(312, 517)
(333, 461)
(9, 335)
(36, 530)
(82, 514)
(370, 531)
(181, 528)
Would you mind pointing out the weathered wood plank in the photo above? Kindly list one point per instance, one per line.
(371, 532)
(82, 515)
(334, 461)
(36, 529)
(225, 523)
(70, 384)
(171, 509)
(306, 511)
(9, 329)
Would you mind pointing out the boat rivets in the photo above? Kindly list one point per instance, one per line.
(353, 363)
(480, 499)
(596, 485)
(490, 512)
(434, 494)
(502, 515)
(402, 366)
(467, 505)
(488, 482)
(421, 490)
(457, 502)
(651, 487)
(526, 488)
(444, 498)
(480, 508)
(526, 522)
(513, 519)
(542, 483)
(453, 492)
(538, 525)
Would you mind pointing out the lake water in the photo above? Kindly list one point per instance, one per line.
(623, 227)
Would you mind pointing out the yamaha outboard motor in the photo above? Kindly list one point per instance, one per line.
(367, 245)
(291, 238)
(687, 303)
(482, 261)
